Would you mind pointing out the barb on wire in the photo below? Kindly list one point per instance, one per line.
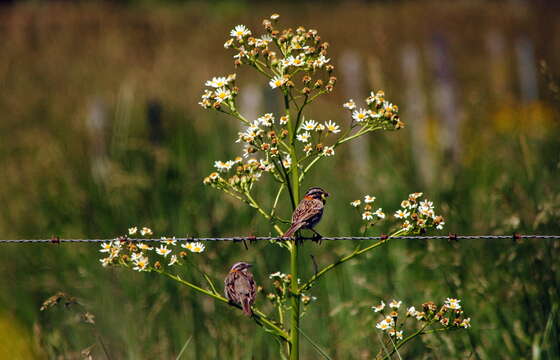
(251, 239)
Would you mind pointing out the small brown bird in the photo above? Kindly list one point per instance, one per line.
(239, 286)
(309, 211)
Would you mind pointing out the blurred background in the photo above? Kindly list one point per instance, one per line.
(100, 130)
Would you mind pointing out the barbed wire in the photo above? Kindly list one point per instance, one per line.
(451, 237)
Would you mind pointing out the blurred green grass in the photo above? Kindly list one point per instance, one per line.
(64, 172)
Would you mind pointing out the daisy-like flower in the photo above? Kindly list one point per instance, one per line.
(320, 127)
(146, 231)
(283, 120)
(444, 321)
(411, 311)
(395, 304)
(367, 215)
(277, 81)
(266, 119)
(228, 44)
(415, 195)
(405, 204)
(332, 127)
(141, 264)
(135, 256)
(350, 105)
(359, 115)
(105, 261)
(287, 161)
(169, 241)
(217, 82)
(384, 325)
(295, 61)
(439, 226)
(274, 16)
(369, 199)
(397, 334)
(379, 213)
(407, 226)
(309, 125)
(379, 307)
(197, 247)
(106, 247)
(133, 230)
(320, 61)
(163, 250)
(307, 149)
(187, 246)
(452, 303)
(466, 323)
(222, 94)
(356, 203)
(303, 137)
(328, 151)
(223, 166)
(420, 315)
(400, 214)
(277, 274)
(239, 32)
(173, 260)
(143, 246)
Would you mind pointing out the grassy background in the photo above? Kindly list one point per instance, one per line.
(80, 157)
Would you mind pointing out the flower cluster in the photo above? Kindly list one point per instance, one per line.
(379, 113)
(445, 317)
(237, 176)
(140, 256)
(366, 209)
(418, 216)
(222, 92)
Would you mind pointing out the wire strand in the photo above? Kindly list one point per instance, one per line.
(450, 237)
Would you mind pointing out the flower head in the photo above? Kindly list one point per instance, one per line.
(197, 247)
(453, 304)
(400, 214)
(350, 105)
(379, 213)
(395, 304)
(133, 230)
(141, 264)
(303, 137)
(369, 199)
(173, 260)
(277, 81)
(163, 250)
(379, 307)
(217, 82)
(360, 115)
(309, 125)
(239, 32)
(332, 127)
(328, 151)
(411, 311)
(367, 215)
(356, 203)
(222, 94)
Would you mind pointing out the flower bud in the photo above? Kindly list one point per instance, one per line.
(306, 91)
(318, 84)
(157, 265)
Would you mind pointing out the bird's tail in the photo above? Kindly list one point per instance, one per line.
(295, 227)
(246, 305)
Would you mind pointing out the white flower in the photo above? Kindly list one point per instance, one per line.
(277, 274)
(132, 230)
(379, 307)
(308, 149)
(453, 303)
(303, 137)
(239, 32)
(369, 199)
(136, 256)
(328, 151)
(274, 16)
(217, 82)
(397, 334)
(395, 304)
(169, 241)
(223, 166)
(277, 81)
(411, 311)
(320, 61)
(146, 231)
(400, 214)
(415, 195)
(163, 250)
(407, 226)
(222, 94)
(187, 246)
(105, 261)
(287, 161)
(440, 225)
(228, 44)
(320, 127)
(283, 120)
(384, 325)
(332, 127)
(405, 204)
(309, 125)
(356, 203)
(141, 264)
(197, 247)
(266, 119)
(294, 61)
(350, 105)
(367, 215)
(466, 323)
(173, 260)
(143, 246)
(379, 213)
(360, 115)
(105, 247)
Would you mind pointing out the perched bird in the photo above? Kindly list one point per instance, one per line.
(309, 211)
(239, 286)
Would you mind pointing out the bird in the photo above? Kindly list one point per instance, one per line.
(239, 286)
(309, 211)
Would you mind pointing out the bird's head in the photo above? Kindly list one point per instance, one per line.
(317, 193)
(240, 266)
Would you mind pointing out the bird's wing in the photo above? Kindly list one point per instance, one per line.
(306, 210)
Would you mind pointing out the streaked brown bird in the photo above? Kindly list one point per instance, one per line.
(239, 286)
(309, 211)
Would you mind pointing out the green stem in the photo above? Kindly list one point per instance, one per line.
(257, 314)
(344, 259)
(407, 339)
(255, 205)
